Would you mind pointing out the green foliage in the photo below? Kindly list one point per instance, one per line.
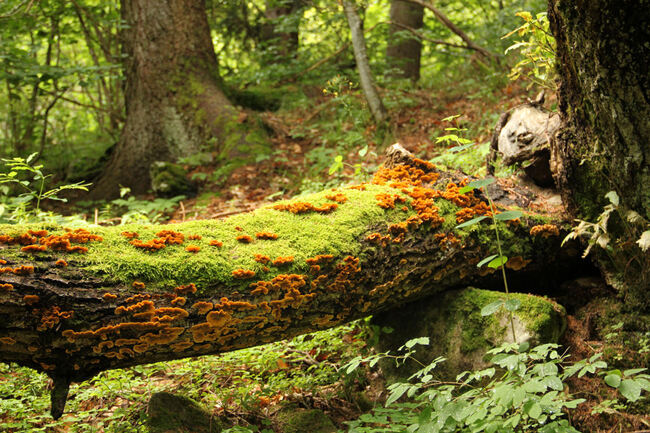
(629, 238)
(233, 383)
(538, 51)
(523, 391)
(23, 175)
(495, 261)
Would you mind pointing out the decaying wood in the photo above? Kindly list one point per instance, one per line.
(522, 135)
(73, 323)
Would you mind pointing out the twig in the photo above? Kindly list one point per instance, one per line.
(16, 10)
(182, 211)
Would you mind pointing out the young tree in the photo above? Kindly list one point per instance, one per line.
(173, 93)
(403, 52)
(363, 66)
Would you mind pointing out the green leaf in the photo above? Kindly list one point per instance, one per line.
(534, 386)
(485, 260)
(512, 304)
(363, 151)
(471, 222)
(553, 382)
(424, 341)
(535, 411)
(498, 262)
(633, 371)
(630, 390)
(508, 215)
(396, 392)
(613, 380)
(491, 308)
(612, 197)
(452, 117)
(31, 157)
(477, 184)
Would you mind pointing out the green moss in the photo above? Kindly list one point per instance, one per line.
(301, 236)
(305, 420)
(168, 412)
(459, 332)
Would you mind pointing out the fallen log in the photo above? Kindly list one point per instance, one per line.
(75, 302)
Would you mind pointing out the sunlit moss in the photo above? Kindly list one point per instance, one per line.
(302, 236)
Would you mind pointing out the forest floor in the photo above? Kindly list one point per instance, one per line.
(252, 387)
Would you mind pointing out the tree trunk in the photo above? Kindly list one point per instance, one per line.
(173, 96)
(363, 66)
(285, 41)
(603, 58)
(307, 265)
(454, 28)
(403, 52)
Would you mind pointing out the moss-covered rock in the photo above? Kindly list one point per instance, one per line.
(297, 420)
(169, 413)
(169, 180)
(459, 333)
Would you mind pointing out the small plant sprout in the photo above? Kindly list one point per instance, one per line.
(33, 183)
(498, 260)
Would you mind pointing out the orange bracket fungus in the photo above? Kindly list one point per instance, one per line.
(266, 235)
(545, 230)
(244, 239)
(282, 261)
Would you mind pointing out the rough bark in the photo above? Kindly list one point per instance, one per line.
(346, 261)
(363, 66)
(403, 53)
(604, 145)
(173, 96)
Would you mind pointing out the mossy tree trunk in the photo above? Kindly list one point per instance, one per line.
(206, 287)
(173, 93)
(603, 60)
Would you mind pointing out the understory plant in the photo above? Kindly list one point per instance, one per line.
(24, 187)
(523, 390)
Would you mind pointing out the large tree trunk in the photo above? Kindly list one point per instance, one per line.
(330, 258)
(363, 65)
(604, 93)
(174, 101)
(403, 52)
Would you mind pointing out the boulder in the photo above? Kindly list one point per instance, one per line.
(458, 332)
(170, 413)
(169, 180)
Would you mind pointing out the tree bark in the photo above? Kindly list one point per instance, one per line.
(349, 257)
(603, 58)
(363, 66)
(173, 96)
(403, 53)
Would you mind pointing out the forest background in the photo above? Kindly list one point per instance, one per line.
(288, 70)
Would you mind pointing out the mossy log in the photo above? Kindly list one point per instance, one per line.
(75, 302)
